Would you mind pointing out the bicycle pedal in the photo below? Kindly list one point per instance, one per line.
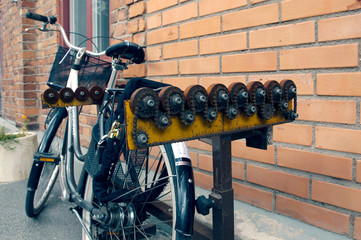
(47, 157)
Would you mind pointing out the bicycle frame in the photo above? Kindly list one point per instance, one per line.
(71, 147)
(68, 183)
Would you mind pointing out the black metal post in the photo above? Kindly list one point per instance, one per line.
(222, 192)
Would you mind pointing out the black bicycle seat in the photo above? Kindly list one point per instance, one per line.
(127, 50)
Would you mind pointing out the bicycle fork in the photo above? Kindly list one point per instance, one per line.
(67, 180)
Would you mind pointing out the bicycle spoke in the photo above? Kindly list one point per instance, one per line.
(141, 179)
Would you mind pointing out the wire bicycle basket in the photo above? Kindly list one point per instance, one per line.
(93, 71)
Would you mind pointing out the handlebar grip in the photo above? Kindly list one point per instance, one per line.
(37, 17)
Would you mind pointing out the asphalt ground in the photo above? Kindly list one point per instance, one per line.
(56, 221)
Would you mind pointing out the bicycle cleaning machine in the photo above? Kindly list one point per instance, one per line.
(218, 116)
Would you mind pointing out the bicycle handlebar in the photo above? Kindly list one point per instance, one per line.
(52, 20)
(37, 17)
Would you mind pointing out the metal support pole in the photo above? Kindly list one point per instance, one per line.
(222, 192)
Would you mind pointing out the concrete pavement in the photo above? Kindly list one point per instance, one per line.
(56, 222)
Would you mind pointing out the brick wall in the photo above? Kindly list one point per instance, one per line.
(312, 172)
(27, 58)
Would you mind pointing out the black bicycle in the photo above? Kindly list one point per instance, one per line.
(120, 194)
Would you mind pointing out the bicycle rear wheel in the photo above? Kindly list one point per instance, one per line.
(43, 175)
(147, 207)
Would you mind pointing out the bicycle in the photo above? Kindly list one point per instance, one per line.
(114, 200)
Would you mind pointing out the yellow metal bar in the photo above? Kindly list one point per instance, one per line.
(200, 128)
(60, 103)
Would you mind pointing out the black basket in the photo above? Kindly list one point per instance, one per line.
(93, 71)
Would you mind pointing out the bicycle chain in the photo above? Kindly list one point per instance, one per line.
(286, 85)
(234, 91)
(140, 138)
(265, 107)
(190, 95)
(252, 91)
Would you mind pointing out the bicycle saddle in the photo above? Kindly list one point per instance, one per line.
(127, 50)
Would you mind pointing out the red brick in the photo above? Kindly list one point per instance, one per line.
(200, 27)
(304, 82)
(250, 62)
(251, 17)
(180, 49)
(154, 53)
(139, 38)
(223, 43)
(257, 1)
(336, 195)
(163, 68)
(358, 171)
(181, 82)
(237, 170)
(194, 159)
(327, 111)
(205, 162)
(142, 24)
(213, 6)
(136, 9)
(320, 57)
(30, 111)
(292, 34)
(253, 196)
(339, 84)
(317, 216)
(199, 65)
(199, 145)
(281, 181)
(135, 70)
(226, 80)
(294, 9)
(162, 35)
(203, 180)
(114, 4)
(301, 134)
(357, 228)
(333, 166)
(122, 15)
(240, 150)
(338, 139)
(133, 26)
(156, 5)
(154, 21)
(181, 13)
(339, 28)
(28, 4)
(126, 2)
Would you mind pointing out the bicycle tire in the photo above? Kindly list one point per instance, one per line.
(43, 175)
(161, 193)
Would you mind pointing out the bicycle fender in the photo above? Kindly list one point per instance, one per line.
(186, 192)
(44, 145)
(186, 201)
(35, 172)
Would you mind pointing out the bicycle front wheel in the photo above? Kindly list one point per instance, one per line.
(43, 175)
(148, 205)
